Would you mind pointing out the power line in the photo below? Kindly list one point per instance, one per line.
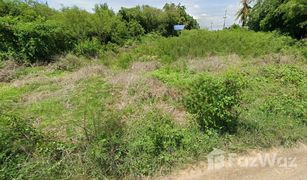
(225, 17)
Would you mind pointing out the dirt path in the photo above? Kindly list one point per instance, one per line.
(294, 169)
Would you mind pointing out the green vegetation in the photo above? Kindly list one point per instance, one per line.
(243, 13)
(203, 43)
(26, 152)
(125, 98)
(213, 100)
(33, 32)
(287, 17)
(77, 118)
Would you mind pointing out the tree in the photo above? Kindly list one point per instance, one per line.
(156, 20)
(32, 31)
(176, 14)
(243, 13)
(148, 17)
(75, 21)
(285, 16)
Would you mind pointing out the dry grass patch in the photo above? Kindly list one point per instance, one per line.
(66, 83)
(179, 115)
(7, 71)
(137, 88)
(214, 63)
(273, 59)
(130, 79)
(132, 75)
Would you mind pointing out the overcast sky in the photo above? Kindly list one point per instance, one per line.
(205, 11)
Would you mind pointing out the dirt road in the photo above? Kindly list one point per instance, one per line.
(285, 164)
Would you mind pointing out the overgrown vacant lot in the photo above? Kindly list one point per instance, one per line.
(160, 104)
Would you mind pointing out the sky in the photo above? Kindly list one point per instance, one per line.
(206, 12)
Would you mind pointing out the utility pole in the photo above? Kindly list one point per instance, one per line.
(225, 17)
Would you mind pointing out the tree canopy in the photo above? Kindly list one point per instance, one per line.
(31, 31)
(243, 13)
(286, 16)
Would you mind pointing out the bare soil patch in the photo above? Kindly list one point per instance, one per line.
(297, 172)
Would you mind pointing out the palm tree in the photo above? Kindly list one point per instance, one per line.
(243, 13)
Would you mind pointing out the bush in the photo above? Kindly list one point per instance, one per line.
(32, 41)
(213, 100)
(292, 101)
(139, 148)
(288, 17)
(31, 31)
(89, 48)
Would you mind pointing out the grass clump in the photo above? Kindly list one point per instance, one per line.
(174, 77)
(70, 63)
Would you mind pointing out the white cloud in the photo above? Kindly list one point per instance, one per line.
(196, 6)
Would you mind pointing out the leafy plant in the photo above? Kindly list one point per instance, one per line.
(287, 17)
(213, 100)
(92, 48)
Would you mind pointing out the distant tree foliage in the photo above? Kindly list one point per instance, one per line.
(243, 13)
(285, 16)
(159, 20)
(31, 31)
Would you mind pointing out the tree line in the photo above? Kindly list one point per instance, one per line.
(31, 31)
(285, 16)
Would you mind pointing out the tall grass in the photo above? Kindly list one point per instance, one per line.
(203, 43)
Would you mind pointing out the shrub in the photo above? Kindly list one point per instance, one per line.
(88, 48)
(288, 17)
(32, 41)
(290, 96)
(213, 100)
(41, 41)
